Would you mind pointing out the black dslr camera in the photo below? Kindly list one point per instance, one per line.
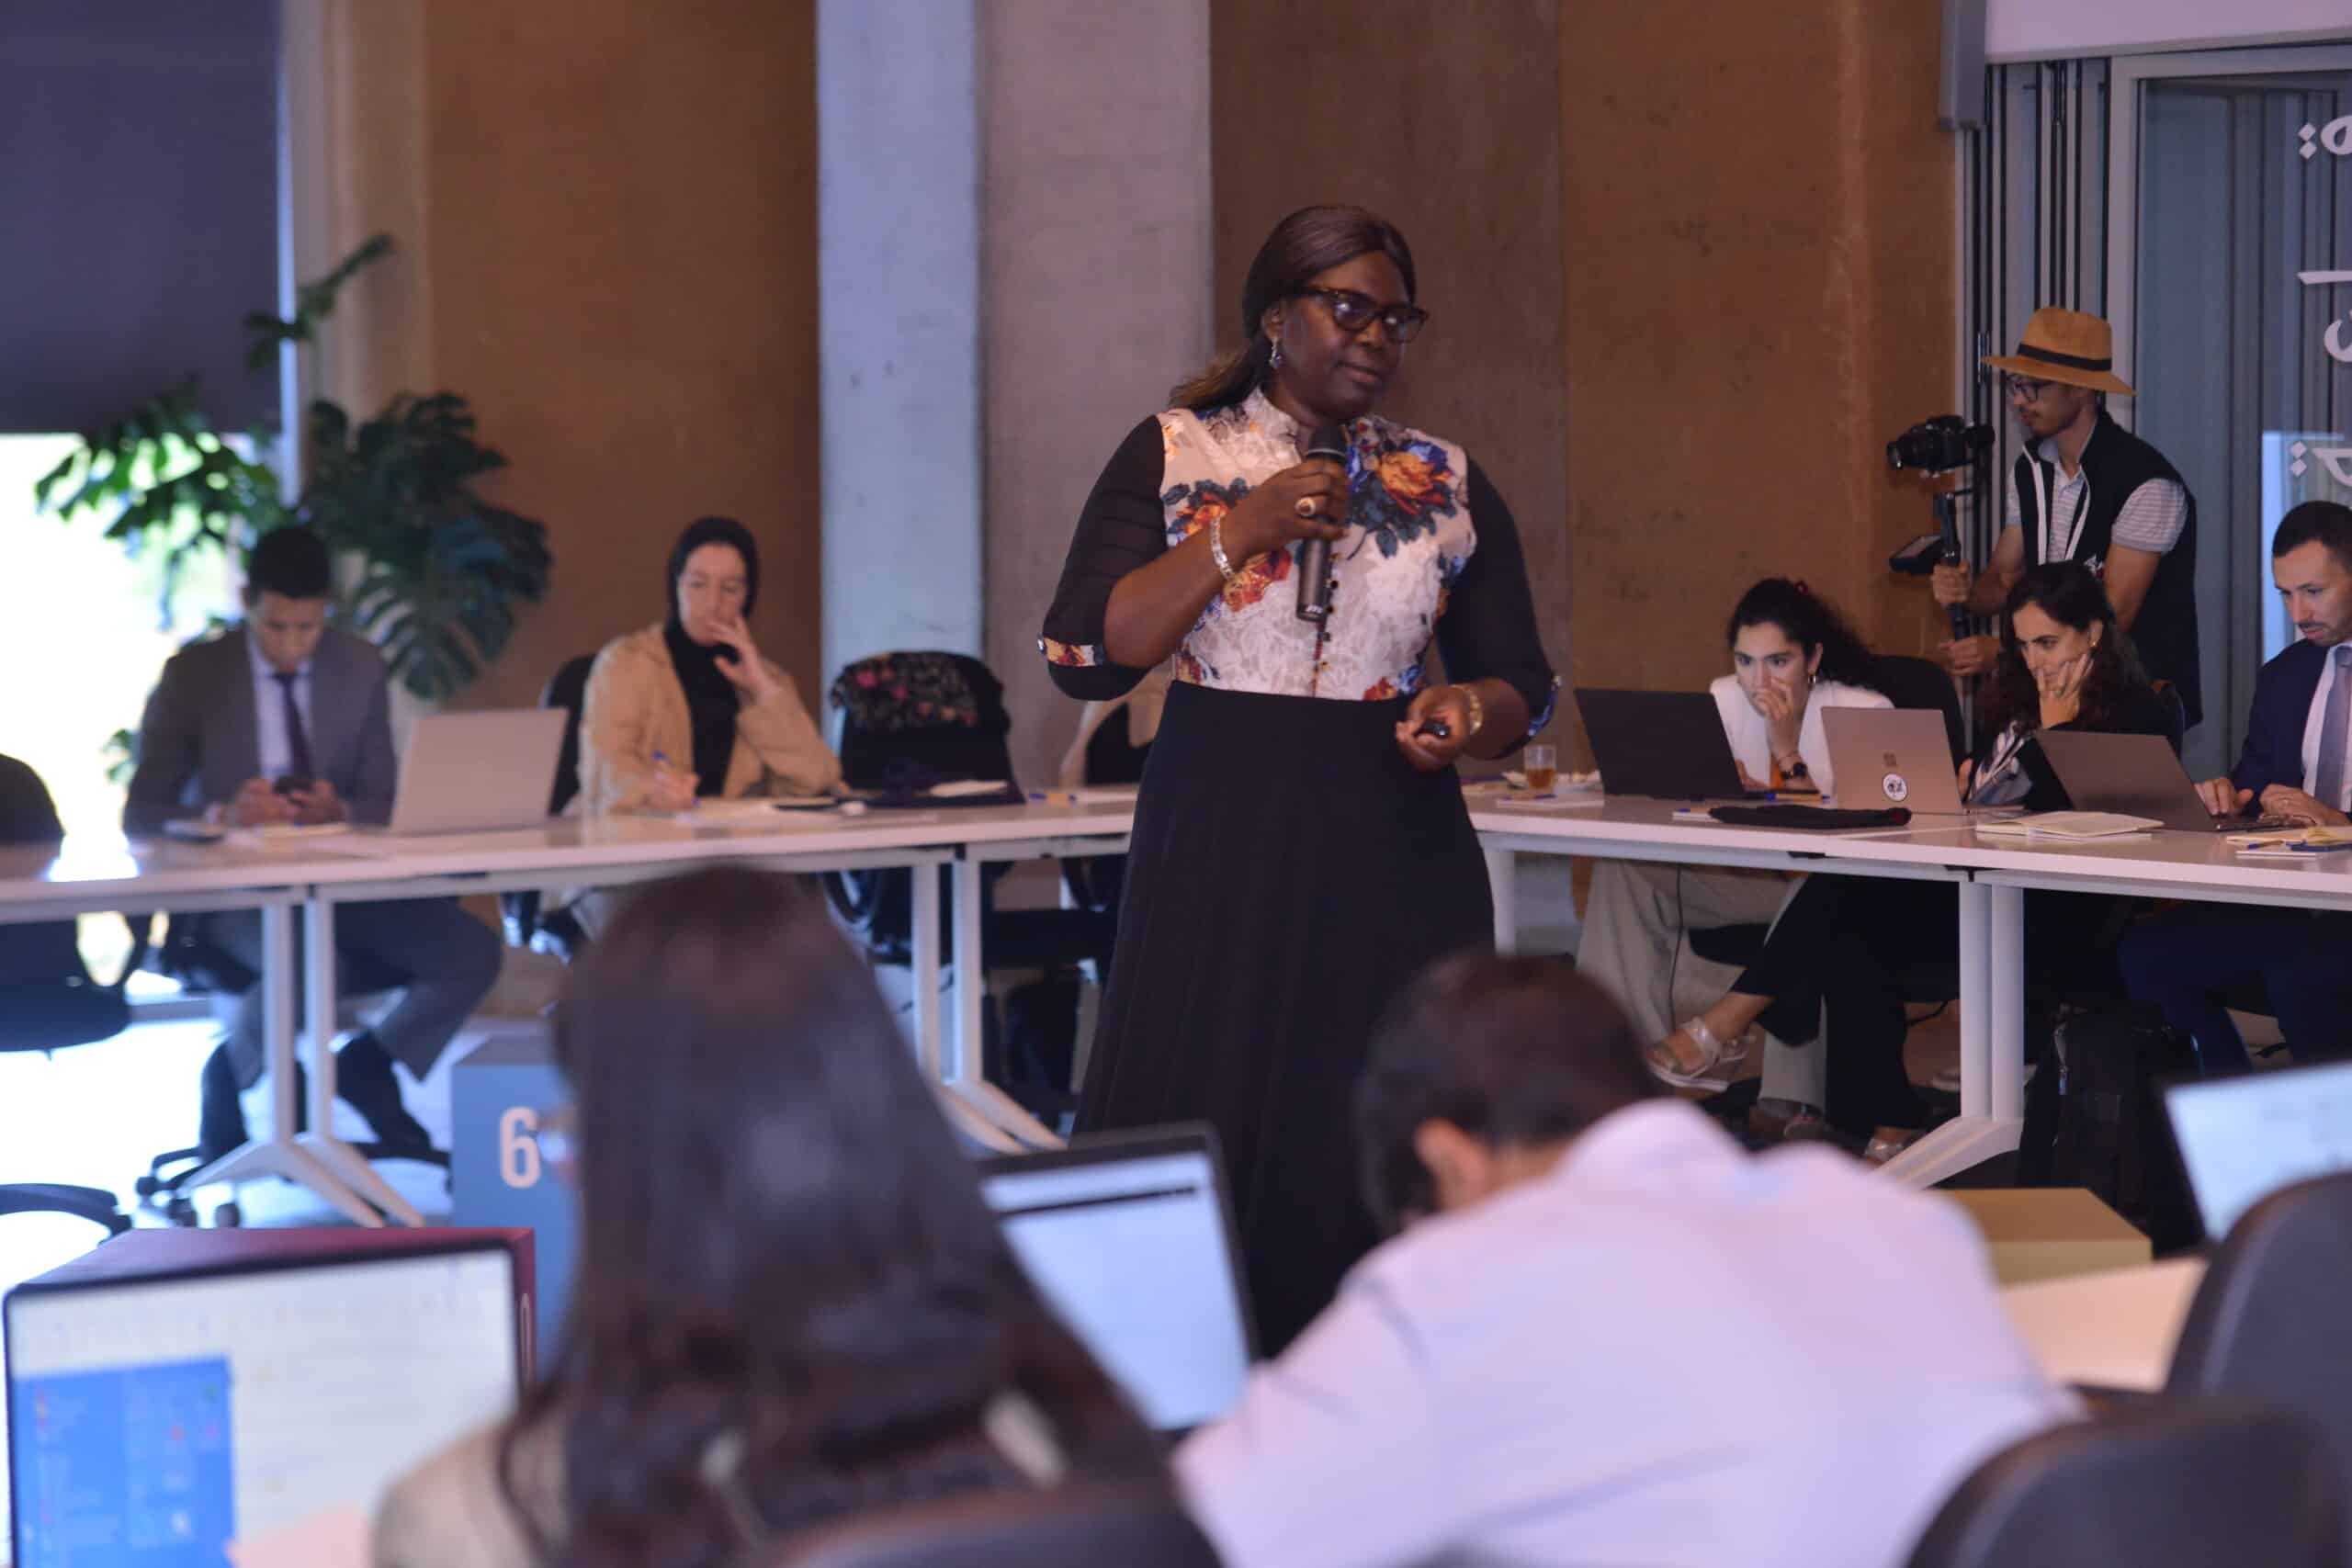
(1939, 444)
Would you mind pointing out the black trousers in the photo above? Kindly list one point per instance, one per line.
(1858, 949)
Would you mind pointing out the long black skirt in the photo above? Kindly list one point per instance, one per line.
(1289, 872)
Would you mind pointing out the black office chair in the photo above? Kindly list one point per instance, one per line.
(48, 998)
(913, 718)
(1132, 1527)
(528, 924)
(2167, 1486)
(1909, 683)
(2264, 1322)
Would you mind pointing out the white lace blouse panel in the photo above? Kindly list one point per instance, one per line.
(1410, 537)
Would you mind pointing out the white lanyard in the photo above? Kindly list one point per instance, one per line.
(2049, 498)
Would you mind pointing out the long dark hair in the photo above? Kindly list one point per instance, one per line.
(781, 1248)
(1310, 241)
(1810, 622)
(2066, 592)
(714, 531)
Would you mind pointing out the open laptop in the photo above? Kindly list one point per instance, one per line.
(2243, 1138)
(1670, 745)
(158, 1417)
(2135, 776)
(1129, 1237)
(466, 773)
(1888, 757)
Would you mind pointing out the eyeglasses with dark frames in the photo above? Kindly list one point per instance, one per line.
(2026, 386)
(1354, 312)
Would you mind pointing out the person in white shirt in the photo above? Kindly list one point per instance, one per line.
(2297, 761)
(1793, 658)
(1603, 1333)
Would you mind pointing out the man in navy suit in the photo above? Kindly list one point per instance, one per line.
(283, 721)
(2297, 762)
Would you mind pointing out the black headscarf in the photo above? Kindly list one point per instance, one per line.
(711, 699)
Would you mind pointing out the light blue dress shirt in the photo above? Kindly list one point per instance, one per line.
(270, 739)
(1665, 1351)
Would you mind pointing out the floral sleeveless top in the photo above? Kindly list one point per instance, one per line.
(1410, 537)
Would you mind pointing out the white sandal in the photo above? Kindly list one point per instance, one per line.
(1705, 1075)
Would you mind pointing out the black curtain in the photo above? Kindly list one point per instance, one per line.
(137, 205)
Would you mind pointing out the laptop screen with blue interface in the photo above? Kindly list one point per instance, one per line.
(2243, 1138)
(153, 1421)
(1131, 1242)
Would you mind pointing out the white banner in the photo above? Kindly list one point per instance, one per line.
(2049, 29)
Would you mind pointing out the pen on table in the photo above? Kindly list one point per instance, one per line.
(1053, 796)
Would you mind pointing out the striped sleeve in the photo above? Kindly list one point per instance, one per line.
(2152, 517)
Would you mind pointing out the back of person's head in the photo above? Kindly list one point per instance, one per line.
(783, 1247)
(2072, 595)
(2324, 522)
(290, 562)
(1808, 620)
(714, 531)
(1517, 1053)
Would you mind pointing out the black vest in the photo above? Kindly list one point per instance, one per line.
(2119, 463)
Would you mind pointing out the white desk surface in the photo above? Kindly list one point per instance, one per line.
(91, 868)
(2112, 1329)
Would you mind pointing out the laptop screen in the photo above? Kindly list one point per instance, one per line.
(1130, 1243)
(2243, 1138)
(153, 1421)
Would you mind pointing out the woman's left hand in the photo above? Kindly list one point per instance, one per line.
(1429, 753)
(746, 668)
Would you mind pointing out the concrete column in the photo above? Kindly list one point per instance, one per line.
(899, 247)
(1097, 288)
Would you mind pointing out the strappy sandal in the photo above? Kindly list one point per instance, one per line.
(1880, 1150)
(1706, 1076)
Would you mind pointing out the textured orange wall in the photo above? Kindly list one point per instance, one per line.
(1441, 120)
(1759, 293)
(607, 211)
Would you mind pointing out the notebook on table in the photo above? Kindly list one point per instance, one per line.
(176, 1392)
(1668, 745)
(1130, 1238)
(2243, 1138)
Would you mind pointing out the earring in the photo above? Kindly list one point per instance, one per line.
(1274, 360)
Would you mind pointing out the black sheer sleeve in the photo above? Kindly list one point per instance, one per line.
(1121, 528)
(1488, 630)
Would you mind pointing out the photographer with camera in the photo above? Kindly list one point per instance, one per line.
(2087, 489)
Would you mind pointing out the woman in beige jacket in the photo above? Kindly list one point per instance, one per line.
(689, 708)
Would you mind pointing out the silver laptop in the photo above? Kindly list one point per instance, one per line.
(2243, 1138)
(1888, 757)
(2137, 776)
(1130, 1239)
(470, 773)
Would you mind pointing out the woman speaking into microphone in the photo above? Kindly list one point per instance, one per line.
(1301, 848)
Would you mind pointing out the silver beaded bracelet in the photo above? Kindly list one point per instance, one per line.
(1216, 548)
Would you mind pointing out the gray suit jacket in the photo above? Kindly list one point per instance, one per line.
(198, 741)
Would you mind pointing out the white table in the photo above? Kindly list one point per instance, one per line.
(92, 875)
(618, 850)
(2113, 1329)
(1990, 930)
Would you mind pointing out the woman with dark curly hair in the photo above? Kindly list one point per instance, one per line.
(1842, 940)
(1300, 842)
(792, 1302)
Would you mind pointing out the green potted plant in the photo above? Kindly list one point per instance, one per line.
(438, 573)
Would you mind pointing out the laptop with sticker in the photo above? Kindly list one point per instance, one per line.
(1888, 757)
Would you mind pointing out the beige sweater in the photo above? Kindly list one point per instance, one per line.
(636, 708)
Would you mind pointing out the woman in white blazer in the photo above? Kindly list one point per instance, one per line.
(1793, 658)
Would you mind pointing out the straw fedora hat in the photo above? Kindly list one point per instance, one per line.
(2065, 345)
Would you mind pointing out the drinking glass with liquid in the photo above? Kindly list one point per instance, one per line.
(1542, 769)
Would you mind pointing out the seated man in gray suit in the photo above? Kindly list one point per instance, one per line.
(286, 720)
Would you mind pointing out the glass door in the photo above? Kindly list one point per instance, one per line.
(2230, 287)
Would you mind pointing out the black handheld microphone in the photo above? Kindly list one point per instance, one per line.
(1315, 560)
